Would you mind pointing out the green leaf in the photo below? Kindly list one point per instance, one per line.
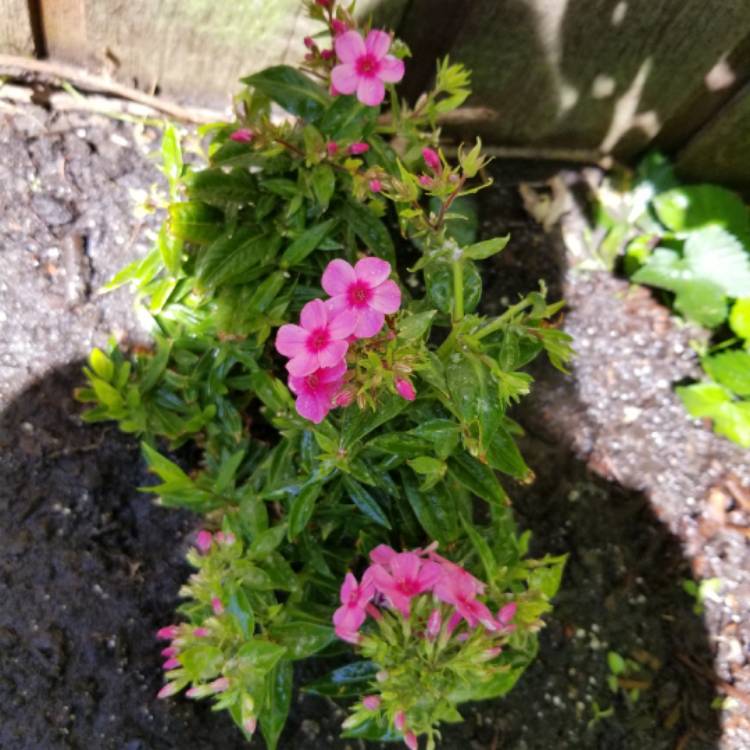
(307, 242)
(239, 607)
(346, 119)
(302, 639)
(218, 188)
(503, 454)
(486, 249)
(170, 250)
(195, 222)
(302, 508)
(349, 681)
(730, 369)
(171, 155)
(165, 469)
(414, 326)
(375, 729)
(439, 281)
(464, 222)
(365, 502)
(713, 254)
(482, 549)
(369, 229)
(696, 206)
(202, 661)
(260, 655)
(478, 478)
(279, 698)
(101, 364)
(323, 184)
(267, 542)
(702, 301)
(703, 399)
(616, 663)
(739, 318)
(361, 422)
(434, 508)
(293, 90)
(234, 254)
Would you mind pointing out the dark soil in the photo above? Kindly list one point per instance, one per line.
(640, 497)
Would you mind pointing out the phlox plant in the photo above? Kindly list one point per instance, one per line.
(319, 365)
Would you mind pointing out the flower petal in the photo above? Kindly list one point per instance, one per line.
(370, 322)
(337, 277)
(312, 407)
(344, 79)
(290, 340)
(405, 566)
(314, 315)
(296, 384)
(372, 270)
(370, 91)
(350, 46)
(386, 298)
(391, 69)
(343, 324)
(303, 364)
(332, 354)
(382, 554)
(333, 374)
(348, 587)
(377, 43)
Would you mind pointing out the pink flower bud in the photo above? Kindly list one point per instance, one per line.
(243, 135)
(399, 720)
(324, 3)
(411, 740)
(204, 540)
(168, 690)
(374, 612)
(200, 632)
(343, 398)
(371, 702)
(507, 613)
(431, 159)
(453, 622)
(169, 651)
(219, 685)
(376, 186)
(433, 623)
(309, 43)
(405, 389)
(425, 180)
(250, 725)
(167, 633)
(332, 147)
(493, 652)
(216, 605)
(338, 27)
(326, 54)
(171, 664)
(358, 148)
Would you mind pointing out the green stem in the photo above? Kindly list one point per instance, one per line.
(458, 290)
(499, 322)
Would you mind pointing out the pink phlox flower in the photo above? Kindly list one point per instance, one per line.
(365, 66)
(405, 389)
(459, 588)
(376, 185)
(363, 292)
(382, 554)
(354, 597)
(315, 392)
(243, 135)
(406, 576)
(320, 340)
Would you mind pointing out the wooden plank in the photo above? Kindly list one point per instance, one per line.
(193, 50)
(16, 36)
(588, 73)
(720, 151)
(64, 28)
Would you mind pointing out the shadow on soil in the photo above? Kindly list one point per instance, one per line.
(89, 568)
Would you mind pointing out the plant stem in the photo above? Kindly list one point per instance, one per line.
(458, 290)
(499, 322)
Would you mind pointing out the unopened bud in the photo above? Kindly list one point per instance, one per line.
(433, 623)
(204, 540)
(405, 389)
(243, 135)
(167, 633)
(399, 720)
(167, 691)
(171, 664)
(411, 740)
(371, 702)
(431, 159)
(216, 605)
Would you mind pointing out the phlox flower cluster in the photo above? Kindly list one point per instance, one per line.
(395, 578)
(360, 297)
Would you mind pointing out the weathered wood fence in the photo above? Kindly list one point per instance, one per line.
(609, 75)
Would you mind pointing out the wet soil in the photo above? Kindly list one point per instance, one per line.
(640, 497)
